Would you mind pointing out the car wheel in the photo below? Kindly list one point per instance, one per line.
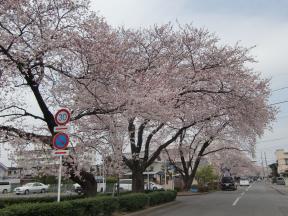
(5, 191)
(154, 188)
(26, 192)
(43, 190)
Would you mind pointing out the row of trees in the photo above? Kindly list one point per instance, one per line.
(143, 90)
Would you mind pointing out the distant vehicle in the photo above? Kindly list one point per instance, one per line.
(5, 187)
(125, 184)
(244, 182)
(77, 188)
(34, 187)
(228, 183)
(280, 181)
(153, 186)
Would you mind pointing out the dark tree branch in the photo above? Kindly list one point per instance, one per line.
(148, 140)
(224, 148)
(20, 114)
(11, 131)
(140, 134)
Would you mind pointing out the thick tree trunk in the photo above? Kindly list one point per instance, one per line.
(137, 180)
(87, 182)
(187, 180)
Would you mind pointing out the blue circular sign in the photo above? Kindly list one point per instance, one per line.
(60, 141)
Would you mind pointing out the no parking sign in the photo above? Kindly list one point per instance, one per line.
(60, 141)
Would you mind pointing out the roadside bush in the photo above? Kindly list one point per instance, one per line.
(132, 202)
(203, 188)
(160, 197)
(36, 209)
(94, 206)
(81, 207)
(4, 202)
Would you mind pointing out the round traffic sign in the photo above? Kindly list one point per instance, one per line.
(60, 141)
(62, 117)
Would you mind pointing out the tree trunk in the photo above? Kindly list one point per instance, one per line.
(87, 182)
(187, 180)
(137, 180)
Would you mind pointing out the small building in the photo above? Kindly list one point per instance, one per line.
(9, 172)
(282, 162)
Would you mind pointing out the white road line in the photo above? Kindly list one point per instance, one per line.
(235, 202)
(248, 187)
(241, 195)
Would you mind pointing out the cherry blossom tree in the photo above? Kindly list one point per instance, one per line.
(237, 162)
(171, 79)
(43, 55)
(136, 89)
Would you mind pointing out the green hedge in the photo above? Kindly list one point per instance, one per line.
(103, 205)
(132, 202)
(4, 202)
(81, 207)
(160, 197)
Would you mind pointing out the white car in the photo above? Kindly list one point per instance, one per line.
(244, 182)
(5, 187)
(35, 187)
(125, 185)
(153, 186)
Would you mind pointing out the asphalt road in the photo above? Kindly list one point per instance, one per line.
(259, 199)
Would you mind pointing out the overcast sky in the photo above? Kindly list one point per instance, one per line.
(252, 22)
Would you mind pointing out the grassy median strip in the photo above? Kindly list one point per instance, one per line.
(102, 205)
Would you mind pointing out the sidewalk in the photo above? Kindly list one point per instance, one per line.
(282, 189)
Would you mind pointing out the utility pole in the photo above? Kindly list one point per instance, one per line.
(266, 164)
(262, 165)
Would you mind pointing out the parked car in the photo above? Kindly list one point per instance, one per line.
(153, 186)
(244, 182)
(125, 184)
(280, 181)
(5, 187)
(34, 187)
(77, 188)
(228, 183)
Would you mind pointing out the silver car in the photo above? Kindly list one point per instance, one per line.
(35, 187)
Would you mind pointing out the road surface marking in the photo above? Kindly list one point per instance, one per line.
(248, 187)
(235, 202)
(241, 195)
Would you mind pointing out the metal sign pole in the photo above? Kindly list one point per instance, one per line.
(59, 178)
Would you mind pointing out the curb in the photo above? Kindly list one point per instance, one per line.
(192, 194)
(151, 209)
(279, 191)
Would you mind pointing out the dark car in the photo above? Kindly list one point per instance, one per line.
(280, 181)
(228, 183)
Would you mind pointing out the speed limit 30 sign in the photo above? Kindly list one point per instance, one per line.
(62, 117)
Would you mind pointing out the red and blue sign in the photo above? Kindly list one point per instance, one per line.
(62, 117)
(60, 141)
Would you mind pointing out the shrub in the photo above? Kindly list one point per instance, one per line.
(80, 207)
(132, 202)
(94, 206)
(160, 197)
(36, 209)
(4, 202)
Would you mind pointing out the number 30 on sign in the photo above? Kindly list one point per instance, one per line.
(62, 117)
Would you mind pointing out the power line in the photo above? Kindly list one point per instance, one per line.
(279, 102)
(286, 87)
(271, 140)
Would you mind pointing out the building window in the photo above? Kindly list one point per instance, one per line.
(286, 161)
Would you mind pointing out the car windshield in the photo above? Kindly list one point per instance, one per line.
(227, 179)
(29, 184)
